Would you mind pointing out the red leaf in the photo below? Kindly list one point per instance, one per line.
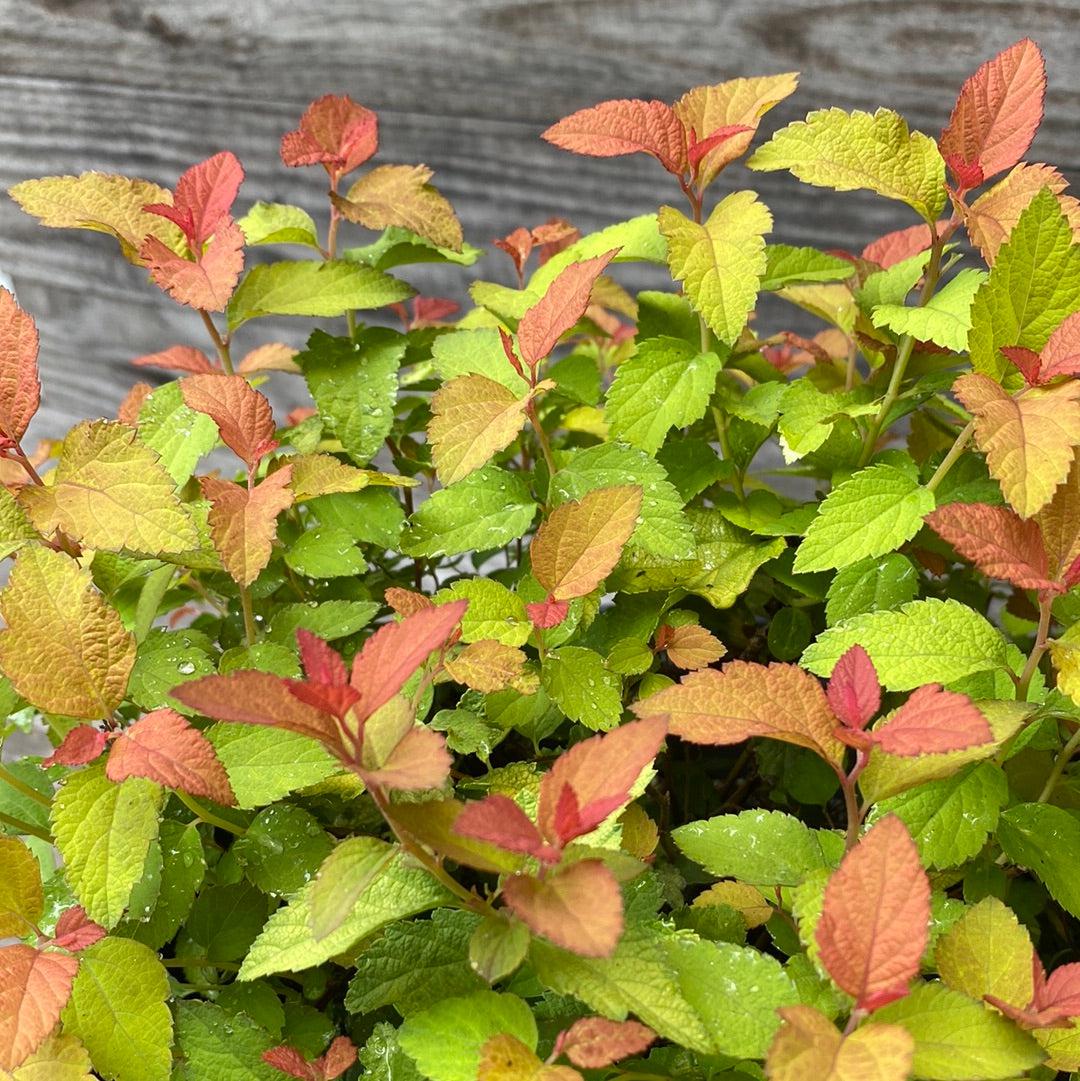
(874, 926)
(998, 111)
(1062, 990)
(250, 697)
(933, 721)
(204, 196)
(1054, 1002)
(547, 613)
(578, 908)
(82, 744)
(997, 540)
(166, 748)
(205, 283)
(394, 652)
(498, 820)
(75, 930)
(854, 692)
(428, 310)
(560, 308)
(624, 126)
(334, 132)
(128, 410)
(599, 772)
(242, 414)
(177, 358)
(419, 761)
(289, 1061)
(518, 244)
(322, 664)
(968, 174)
(1027, 360)
(20, 388)
(34, 988)
(595, 1042)
(902, 244)
(698, 149)
(1060, 355)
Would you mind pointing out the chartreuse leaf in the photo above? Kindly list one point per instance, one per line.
(785, 265)
(475, 352)
(279, 223)
(847, 151)
(945, 319)
(355, 384)
(581, 685)
(871, 585)
(764, 847)
(59, 1058)
(224, 1046)
(486, 510)
(666, 384)
(400, 247)
(414, 964)
(1033, 285)
(321, 289)
(721, 261)
(15, 528)
(638, 239)
(736, 991)
(927, 641)
(494, 612)
(118, 1010)
(287, 943)
(1044, 839)
(179, 434)
(807, 417)
(104, 831)
(958, 1038)
(872, 513)
(446, 1039)
(950, 819)
(987, 952)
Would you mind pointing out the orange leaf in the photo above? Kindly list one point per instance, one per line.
(34, 988)
(394, 652)
(624, 126)
(997, 540)
(808, 1046)
(165, 748)
(1028, 441)
(578, 908)
(933, 721)
(1059, 522)
(203, 198)
(406, 601)
(998, 111)
(20, 389)
(128, 410)
(690, 646)
(874, 926)
(242, 414)
(272, 357)
(498, 820)
(1061, 354)
(744, 699)
(902, 244)
(595, 1042)
(205, 283)
(580, 542)
(560, 308)
(243, 521)
(419, 761)
(486, 666)
(334, 132)
(177, 358)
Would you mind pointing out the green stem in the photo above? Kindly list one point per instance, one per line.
(1060, 763)
(1037, 650)
(251, 633)
(541, 438)
(720, 420)
(25, 827)
(220, 344)
(203, 815)
(22, 787)
(950, 459)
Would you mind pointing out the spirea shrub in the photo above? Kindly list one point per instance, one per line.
(586, 685)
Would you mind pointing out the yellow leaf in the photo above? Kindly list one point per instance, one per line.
(64, 648)
(1028, 441)
(809, 1046)
(987, 952)
(110, 491)
(401, 195)
(506, 1058)
(741, 102)
(21, 899)
(472, 419)
(323, 474)
(1065, 653)
(577, 547)
(486, 666)
(59, 1058)
(104, 204)
(1059, 521)
(747, 900)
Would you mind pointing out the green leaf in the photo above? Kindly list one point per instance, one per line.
(957, 1038)
(224, 921)
(279, 223)
(446, 1039)
(415, 964)
(494, 612)
(383, 1059)
(944, 319)
(373, 515)
(785, 265)
(720, 262)
(118, 1010)
(497, 947)
(475, 352)
(736, 991)
(871, 585)
(759, 847)
(104, 831)
(325, 552)
(666, 384)
(807, 417)
(330, 620)
(355, 386)
(1033, 286)
(166, 659)
(1045, 839)
(287, 944)
(322, 289)
(401, 247)
(580, 684)
(486, 510)
(182, 869)
(872, 513)
(265, 764)
(178, 433)
(663, 529)
(892, 285)
(950, 819)
(226, 1047)
(638, 241)
(926, 641)
(282, 849)
(847, 151)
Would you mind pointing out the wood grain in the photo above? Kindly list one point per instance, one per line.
(145, 88)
